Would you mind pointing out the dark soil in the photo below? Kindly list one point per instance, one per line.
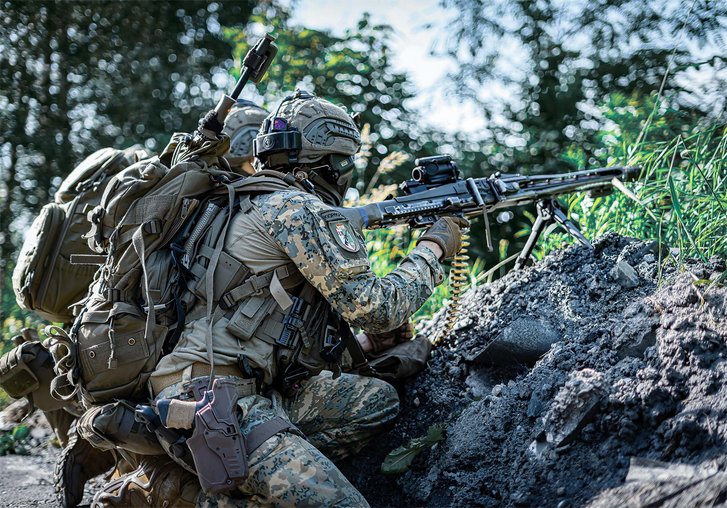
(635, 370)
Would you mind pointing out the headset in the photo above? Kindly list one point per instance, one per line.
(278, 137)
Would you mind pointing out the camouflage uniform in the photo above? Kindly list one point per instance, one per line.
(294, 232)
(340, 415)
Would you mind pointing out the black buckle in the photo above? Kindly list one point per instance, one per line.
(333, 347)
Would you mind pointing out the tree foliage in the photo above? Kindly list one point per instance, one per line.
(540, 69)
(76, 76)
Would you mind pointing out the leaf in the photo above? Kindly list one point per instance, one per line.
(399, 460)
(20, 432)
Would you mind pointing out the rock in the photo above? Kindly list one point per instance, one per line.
(573, 406)
(625, 275)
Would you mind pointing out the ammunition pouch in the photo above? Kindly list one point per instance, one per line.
(27, 371)
(114, 426)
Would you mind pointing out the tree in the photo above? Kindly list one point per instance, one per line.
(76, 76)
(354, 71)
(570, 56)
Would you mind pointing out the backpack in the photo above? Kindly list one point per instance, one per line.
(136, 306)
(55, 267)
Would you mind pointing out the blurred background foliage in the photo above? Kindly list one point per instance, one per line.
(563, 85)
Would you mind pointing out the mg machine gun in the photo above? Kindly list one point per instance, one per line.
(438, 188)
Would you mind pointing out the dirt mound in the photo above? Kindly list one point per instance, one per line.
(634, 371)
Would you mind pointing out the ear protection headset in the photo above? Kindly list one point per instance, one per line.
(278, 137)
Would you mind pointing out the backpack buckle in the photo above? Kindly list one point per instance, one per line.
(153, 227)
(113, 295)
(227, 301)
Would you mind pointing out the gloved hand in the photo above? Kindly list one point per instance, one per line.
(447, 233)
(375, 342)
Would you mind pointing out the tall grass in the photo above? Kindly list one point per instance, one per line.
(680, 199)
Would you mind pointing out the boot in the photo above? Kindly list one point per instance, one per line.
(158, 481)
(78, 463)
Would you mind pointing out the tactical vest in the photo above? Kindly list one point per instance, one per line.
(148, 225)
(278, 307)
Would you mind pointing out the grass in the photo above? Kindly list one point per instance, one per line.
(680, 199)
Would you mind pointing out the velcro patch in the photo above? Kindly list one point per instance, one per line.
(343, 234)
(331, 215)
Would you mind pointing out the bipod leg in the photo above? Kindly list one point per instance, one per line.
(543, 219)
(561, 218)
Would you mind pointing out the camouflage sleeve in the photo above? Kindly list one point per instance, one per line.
(332, 256)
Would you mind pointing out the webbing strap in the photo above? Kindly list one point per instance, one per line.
(287, 277)
(265, 431)
(210, 282)
(88, 259)
(138, 243)
(358, 357)
(279, 293)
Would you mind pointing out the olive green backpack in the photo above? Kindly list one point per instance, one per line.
(135, 311)
(56, 267)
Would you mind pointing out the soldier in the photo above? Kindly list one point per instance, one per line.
(79, 460)
(278, 335)
(242, 124)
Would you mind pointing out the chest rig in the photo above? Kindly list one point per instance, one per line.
(278, 307)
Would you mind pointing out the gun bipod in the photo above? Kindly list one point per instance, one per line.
(549, 211)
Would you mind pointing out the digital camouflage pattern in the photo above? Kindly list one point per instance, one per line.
(296, 226)
(338, 416)
(317, 239)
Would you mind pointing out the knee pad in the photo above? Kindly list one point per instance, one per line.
(114, 426)
(27, 371)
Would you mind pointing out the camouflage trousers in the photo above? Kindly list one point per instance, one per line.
(338, 416)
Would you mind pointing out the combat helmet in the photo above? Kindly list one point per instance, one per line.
(242, 125)
(310, 136)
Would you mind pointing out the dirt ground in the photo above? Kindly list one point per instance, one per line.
(634, 372)
(626, 407)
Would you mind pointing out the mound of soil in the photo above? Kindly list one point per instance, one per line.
(635, 371)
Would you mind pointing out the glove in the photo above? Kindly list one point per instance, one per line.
(447, 233)
(381, 341)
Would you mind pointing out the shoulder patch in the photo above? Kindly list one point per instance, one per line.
(331, 215)
(343, 234)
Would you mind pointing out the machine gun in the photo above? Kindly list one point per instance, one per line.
(437, 188)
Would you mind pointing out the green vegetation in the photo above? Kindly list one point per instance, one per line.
(680, 199)
(15, 441)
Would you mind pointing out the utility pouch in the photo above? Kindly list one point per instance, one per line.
(115, 355)
(217, 444)
(401, 361)
(250, 314)
(27, 371)
(228, 273)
